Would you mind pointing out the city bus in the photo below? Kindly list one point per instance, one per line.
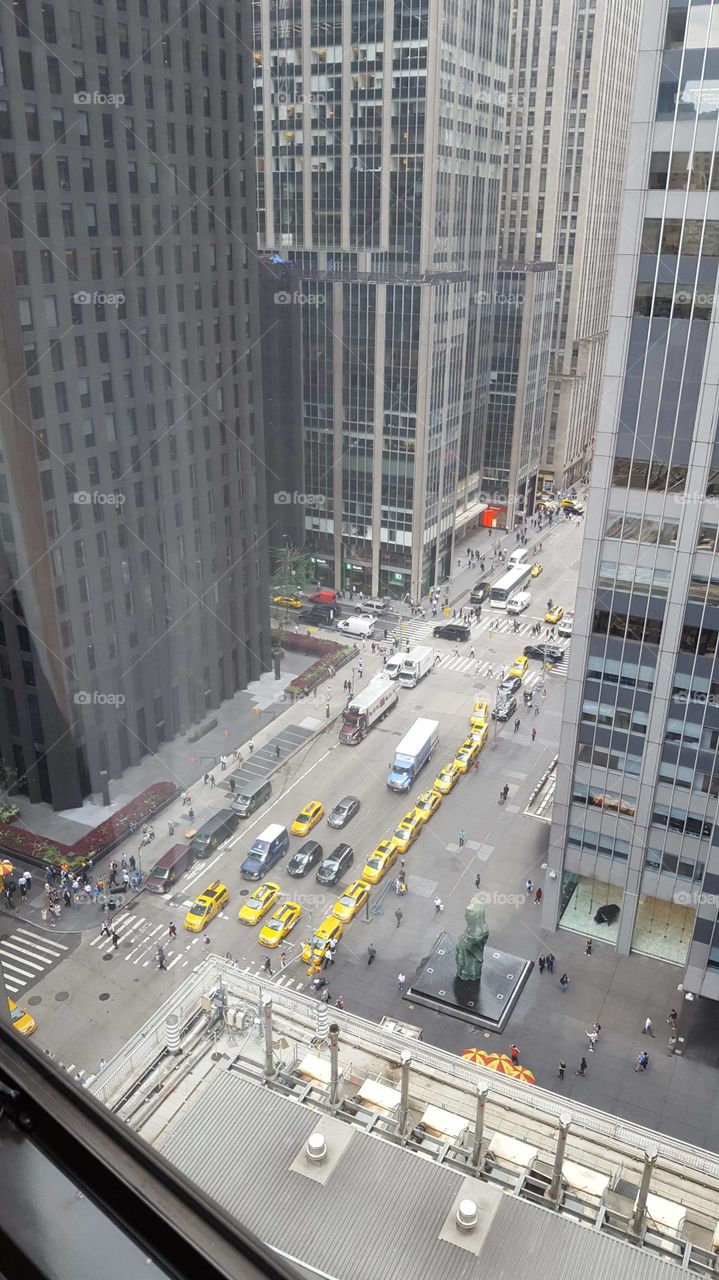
(509, 584)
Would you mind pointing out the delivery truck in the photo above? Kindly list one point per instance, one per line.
(417, 663)
(366, 708)
(412, 754)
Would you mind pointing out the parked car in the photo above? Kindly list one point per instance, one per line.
(504, 710)
(335, 864)
(452, 631)
(352, 900)
(379, 862)
(344, 812)
(307, 857)
(447, 778)
(376, 607)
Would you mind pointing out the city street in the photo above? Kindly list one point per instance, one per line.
(89, 999)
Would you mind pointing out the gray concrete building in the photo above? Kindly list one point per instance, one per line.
(379, 167)
(132, 487)
(567, 112)
(635, 816)
(512, 455)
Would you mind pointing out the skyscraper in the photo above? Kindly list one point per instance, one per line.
(379, 162)
(132, 498)
(571, 76)
(635, 812)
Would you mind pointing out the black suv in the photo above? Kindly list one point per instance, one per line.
(504, 709)
(452, 631)
(545, 652)
(335, 865)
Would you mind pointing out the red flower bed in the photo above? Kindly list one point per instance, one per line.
(95, 842)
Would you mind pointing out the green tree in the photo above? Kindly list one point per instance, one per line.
(292, 570)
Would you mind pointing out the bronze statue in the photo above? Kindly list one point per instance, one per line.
(469, 952)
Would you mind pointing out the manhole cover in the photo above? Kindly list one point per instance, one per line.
(244, 892)
(104, 995)
(62, 995)
(34, 1000)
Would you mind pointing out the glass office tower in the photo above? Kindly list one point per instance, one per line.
(635, 840)
(133, 570)
(380, 146)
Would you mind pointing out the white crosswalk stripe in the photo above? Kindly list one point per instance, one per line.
(139, 938)
(26, 955)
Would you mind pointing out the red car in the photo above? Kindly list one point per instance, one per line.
(324, 597)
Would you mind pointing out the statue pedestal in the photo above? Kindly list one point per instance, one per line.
(487, 1003)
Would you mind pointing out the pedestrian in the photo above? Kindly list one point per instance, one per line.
(516, 725)
(133, 862)
(562, 1069)
(171, 827)
(232, 786)
(161, 957)
(461, 839)
(105, 929)
(672, 1019)
(277, 751)
(398, 916)
(514, 1052)
(648, 1028)
(588, 947)
(22, 885)
(250, 746)
(171, 931)
(223, 763)
(438, 905)
(529, 886)
(536, 709)
(207, 939)
(563, 983)
(542, 963)
(477, 880)
(538, 898)
(339, 1003)
(401, 979)
(582, 1067)
(371, 953)
(592, 1038)
(126, 879)
(283, 959)
(534, 734)
(471, 652)
(103, 1063)
(267, 965)
(115, 938)
(550, 962)
(642, 1061)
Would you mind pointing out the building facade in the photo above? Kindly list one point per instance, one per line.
(280, 287)
(379, 163)
(635, 817)
(132, 487)
(512, 459)
(571, 77)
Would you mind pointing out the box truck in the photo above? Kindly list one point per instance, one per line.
(367, 707)
(417, 663)
(412, 754)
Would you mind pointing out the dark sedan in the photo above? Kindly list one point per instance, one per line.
(344, 812)
(452, 631)
(509, 685)
(545, 652)
(335, 865)
(307, 857)
(504, 710)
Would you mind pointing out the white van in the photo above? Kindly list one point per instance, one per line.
(360, 626)
(519, 556)
(519, 603)
(393, 665)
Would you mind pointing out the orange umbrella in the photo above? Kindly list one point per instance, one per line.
(525, 1075)
(6, 867)
(500, 1063)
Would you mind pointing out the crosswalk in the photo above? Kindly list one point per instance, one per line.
(419, 630)
(140, 936)
(26, 955)
(458, 657)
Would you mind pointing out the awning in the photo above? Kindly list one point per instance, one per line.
(511, 1151)
(579, 1178)
(315, 1068)
(373, 1094)
(444, 1123)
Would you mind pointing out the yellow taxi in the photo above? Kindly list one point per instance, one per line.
(379, 862)
(537, 568)
(21, 1021)
(263, 897)
(467, 754)
(427, 804)
(330, 930)
(555, 614)
(207, 906)
(445, 780)
(279, 924)
(407, 831)
(287, 602)
(352, 900)
(480, 735)
(308, 818)
(480, 714)
(519, 667)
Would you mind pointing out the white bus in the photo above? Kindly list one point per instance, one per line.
(508, 585)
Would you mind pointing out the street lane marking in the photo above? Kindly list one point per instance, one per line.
(40, 937)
